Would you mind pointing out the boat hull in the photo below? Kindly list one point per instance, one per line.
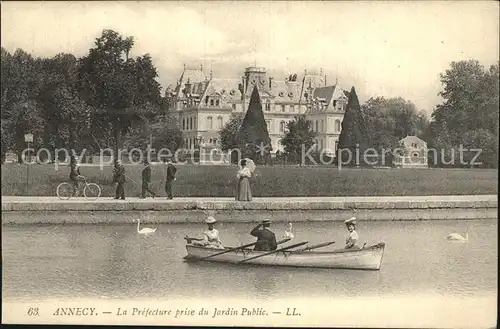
(369, 258)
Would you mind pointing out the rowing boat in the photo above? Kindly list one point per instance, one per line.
(367, 258)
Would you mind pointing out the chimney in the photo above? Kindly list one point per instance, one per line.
(270, 83)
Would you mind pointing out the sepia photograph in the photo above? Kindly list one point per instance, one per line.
(250, 163)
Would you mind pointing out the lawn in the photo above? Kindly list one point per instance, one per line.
(220, 181)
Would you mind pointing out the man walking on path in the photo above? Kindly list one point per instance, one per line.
(146, 179)
(119, 177)
(171, 170)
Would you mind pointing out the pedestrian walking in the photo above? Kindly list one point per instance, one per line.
(119, 178)
(146, 179)
(171, 171)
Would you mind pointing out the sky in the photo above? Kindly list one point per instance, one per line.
(390, 49)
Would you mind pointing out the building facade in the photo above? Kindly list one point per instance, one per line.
(413, 153)
(204, 104)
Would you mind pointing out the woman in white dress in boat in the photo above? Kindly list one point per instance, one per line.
(352, 238)
(210, 236)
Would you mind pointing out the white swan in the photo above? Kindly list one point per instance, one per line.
(145, 230)
(288, 234)
(459, 237)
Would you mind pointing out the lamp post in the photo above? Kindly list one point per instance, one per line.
(28, 138)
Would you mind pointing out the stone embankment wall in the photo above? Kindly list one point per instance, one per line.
(34, 210)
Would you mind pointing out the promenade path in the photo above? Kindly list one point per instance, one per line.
(378, 199)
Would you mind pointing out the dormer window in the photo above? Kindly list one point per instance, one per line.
(217, 102)
(268, 105)
(211, 102)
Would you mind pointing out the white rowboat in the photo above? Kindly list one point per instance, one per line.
(368, 258)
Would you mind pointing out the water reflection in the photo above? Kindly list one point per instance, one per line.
(115, 262)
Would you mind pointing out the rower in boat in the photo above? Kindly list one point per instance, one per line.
(266, 239)
(211, 237)
(352, 238)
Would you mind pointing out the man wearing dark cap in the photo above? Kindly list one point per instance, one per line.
(266, 239)
(146, 179)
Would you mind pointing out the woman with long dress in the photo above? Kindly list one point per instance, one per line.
(244, 193)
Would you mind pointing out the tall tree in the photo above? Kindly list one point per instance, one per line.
(470, 110)
(389, 120)
(299, 134)
(353, 133)
(20, 114)
(253, 137)
(228, 133)
(120, 88)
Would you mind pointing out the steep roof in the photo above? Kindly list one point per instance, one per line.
(324, 93)
(193, 76)
(411, 139)
(286, 91)
(227, 88)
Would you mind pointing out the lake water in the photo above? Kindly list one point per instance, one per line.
(113, 262)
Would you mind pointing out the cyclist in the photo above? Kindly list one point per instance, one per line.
(75, 175)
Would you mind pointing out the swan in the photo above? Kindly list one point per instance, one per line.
(459, 237)
(288, 234)
(145, 230)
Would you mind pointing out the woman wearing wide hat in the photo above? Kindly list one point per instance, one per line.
(210, 236)
(352, 238)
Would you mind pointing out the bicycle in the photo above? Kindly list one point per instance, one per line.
(91, 191)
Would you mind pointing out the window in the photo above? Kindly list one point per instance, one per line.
(184, 124)
(191, 123)
(194, 123)
(215, 140)
(292, 108)
(282, 108)
(322, 126)
(206, 100)
(219, 122)
(268, 105)
(268, 123)
(217, 102)
(234, 106)
(337, 125)
(282, 126)
(209, 122)
(317, 122)
(211, 102)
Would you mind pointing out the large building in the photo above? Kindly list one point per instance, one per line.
(204, 104)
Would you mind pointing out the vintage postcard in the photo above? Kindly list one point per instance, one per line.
(250, 163)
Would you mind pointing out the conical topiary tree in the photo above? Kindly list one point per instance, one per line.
(353, 134)
(253, 137)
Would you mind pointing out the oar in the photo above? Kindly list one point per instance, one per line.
(240, 247)
(315, 246)
(275, 251)
(229, 250)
